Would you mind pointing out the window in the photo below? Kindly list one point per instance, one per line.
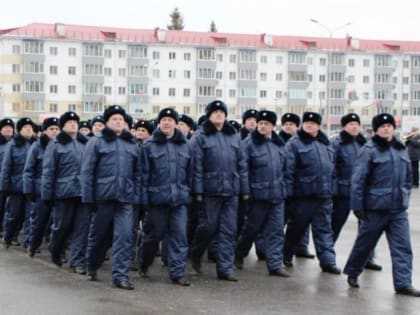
(72, 71)
(366, 95)
(405, 96)
(297, 58)
(248, 92)
(219, 75)
(171, 92)
(206, 54)
(406, 63)
(16, 68)
(309, 95)
(93, 88)
(34, 106)
(415, 61)
(232, 58)
(93, 69)
(310, 60)
(350, 79)
(336, 93)
(248, 74)
(53, 51)
(366, 63)
(156, 55)
(337, 59)
(206, 91)
(53, 108)
(137, 89)
(16, 49)
(72, 89)
(219, 93)
(263, 76)
(219, 57)
(92, 107)
(107, 53)
(72, 107)
(187, 74)
(383, 60)
(155, 109)
(121, 90)
(322, 78)
(279, 94)
(33, 47)
(232, 93)
(321, 95)
(232, 75)
(121, 53)
(297, 93)
(186, 110)
(121, 72)
(310, 77)
(107, 90)
(351, 62)
(365, 79)
(72, 52)
(263, 94)
(172, 56)
(297, 75)
(53, 70)
(155, 91)
(107, 72)
(205, 73)
(34, 86)
(187, 56)
(156, 73)
(322, 61)
(172, 74)
(394, 80)
(16, 88)
(137, 51)
(187, 92)
(279, 76)
(138, 71)
(382, 78)
(337, 77)
(16, 107)
(279, 60)
(53, 89)
(405, 80)
(263, 59)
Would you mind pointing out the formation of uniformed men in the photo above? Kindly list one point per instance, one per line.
(215, 186)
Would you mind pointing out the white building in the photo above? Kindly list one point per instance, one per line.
(51, 68)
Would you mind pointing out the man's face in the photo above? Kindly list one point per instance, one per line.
(142, 134)
(265, 127)
(7, 132)
(84, 131)
(217, 117)
(97, 127)
(27, 131)
(116, 123)
(352, 128)
(167, 125)
(71, 127)
(386, 131)
(250, 123)
(311, 127)
(52, 131)
(289, 128)
(184, 128)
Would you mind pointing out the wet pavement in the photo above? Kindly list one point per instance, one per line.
(35, 286)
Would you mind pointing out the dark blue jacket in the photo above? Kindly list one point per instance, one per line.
(11, 177)
(310, 167)
(166, 170)
(61, 167)
(346, 148)
(3, 144)
(266, 160)
(219, 163)
(111, 168)
(381, 177)
(33, 166)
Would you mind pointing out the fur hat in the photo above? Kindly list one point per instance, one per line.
(381, 119)
(84, 124)
(250, 113)
(187, 119)
(68, 116)
(235, 124)
(349, 118)
(290, 117)
(267, 115)
(7, 122)
(98, 118)
(312, 116)
(168, 112)
(50, 121)
(215, 105)
(24, 121)
(114, 110)
(148, 125)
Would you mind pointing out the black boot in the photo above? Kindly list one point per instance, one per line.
(409, 291)
(181, 282)
(352, 281)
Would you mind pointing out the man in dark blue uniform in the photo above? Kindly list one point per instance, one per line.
(220, 176)
(310, 181)
(166, 189)
(110, 188)
(32, 174)
(379, 197)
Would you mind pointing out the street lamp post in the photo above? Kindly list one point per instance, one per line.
(330, 31)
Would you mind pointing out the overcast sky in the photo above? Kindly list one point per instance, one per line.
(384, 19)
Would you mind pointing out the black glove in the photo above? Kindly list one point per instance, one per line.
(360, 214)
(92, 206)
(198, 198)
(30, 197)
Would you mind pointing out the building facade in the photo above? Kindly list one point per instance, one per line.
(46, 69)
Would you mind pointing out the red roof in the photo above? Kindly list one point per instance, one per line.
(99, 33)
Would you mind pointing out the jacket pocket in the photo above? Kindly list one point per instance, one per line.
(106, 188)
(379, 199)
(258, 159)
(307, 185)
(306, 158)
(211, 182)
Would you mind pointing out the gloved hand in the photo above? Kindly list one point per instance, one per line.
(245, 197)
(92, 206)
(198, 198)
(360, 214)
(30, 197)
